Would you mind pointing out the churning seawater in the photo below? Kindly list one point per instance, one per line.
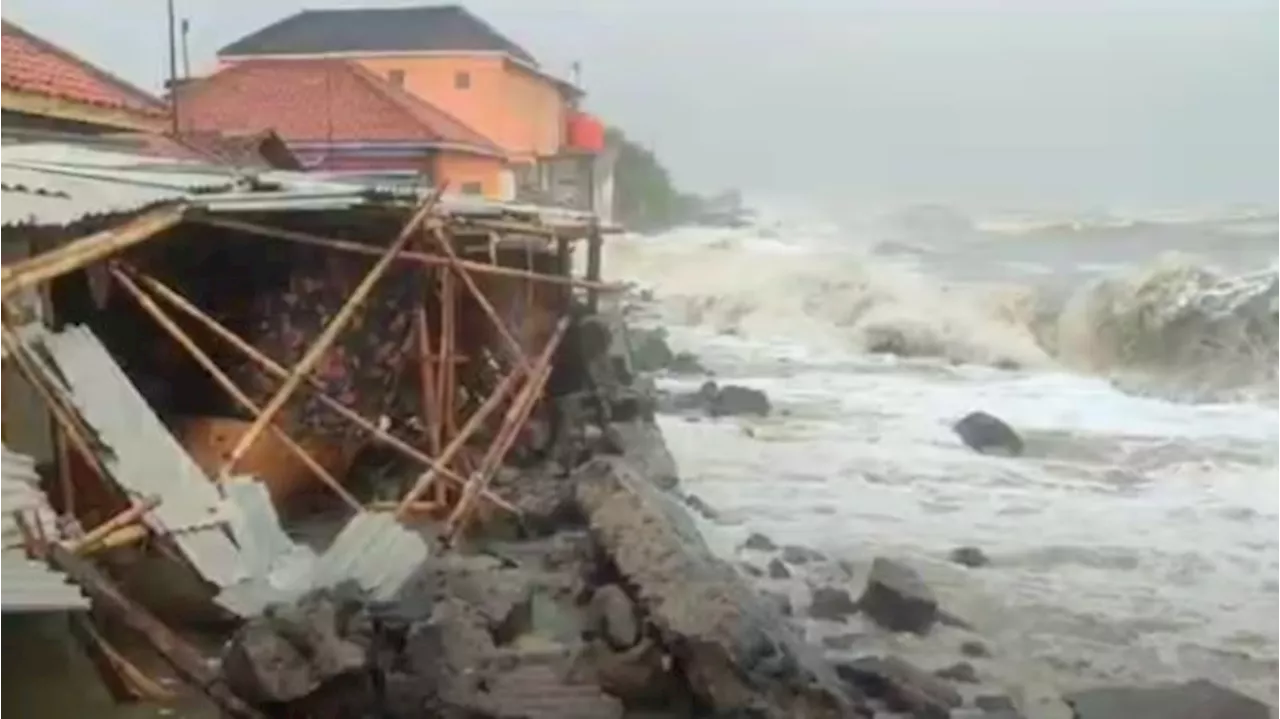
(1137, 538)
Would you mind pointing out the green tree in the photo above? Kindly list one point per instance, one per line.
(645, 198)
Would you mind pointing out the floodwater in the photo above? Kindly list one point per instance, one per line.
(1137, 538)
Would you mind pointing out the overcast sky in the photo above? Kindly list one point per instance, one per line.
(1063, 104)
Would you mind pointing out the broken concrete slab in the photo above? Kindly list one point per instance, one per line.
(737, 652)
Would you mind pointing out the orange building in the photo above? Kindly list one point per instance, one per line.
(335, 115)
(448, 57)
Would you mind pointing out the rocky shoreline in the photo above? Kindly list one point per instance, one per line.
(607, 601)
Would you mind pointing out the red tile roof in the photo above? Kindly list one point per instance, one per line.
(33, 65)
(319, 101)
(256, 150)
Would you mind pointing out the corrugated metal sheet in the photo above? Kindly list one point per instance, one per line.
(145, 459)
(374, 550)
(27, 585)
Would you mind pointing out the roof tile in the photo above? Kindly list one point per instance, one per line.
(31, 64)
(318, 101)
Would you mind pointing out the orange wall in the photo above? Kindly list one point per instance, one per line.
(521, 112)
(460, 169)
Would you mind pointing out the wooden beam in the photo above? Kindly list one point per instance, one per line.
(30, 103)
(85, 251)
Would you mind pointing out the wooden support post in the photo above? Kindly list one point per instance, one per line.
(427, 378)
(478, 417)
(330, 333)
(185, 660)
(271, 366)
(200, 356)
(595, 252)
(512, 423)
(87, 250)
(448, 338)
(313, 240)
(517, 351)
(564, 265)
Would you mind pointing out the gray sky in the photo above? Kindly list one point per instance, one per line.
(1065, 104)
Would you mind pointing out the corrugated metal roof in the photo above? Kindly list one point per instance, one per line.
(145, 458)
(27, 585)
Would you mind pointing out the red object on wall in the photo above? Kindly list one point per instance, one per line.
(585, 133)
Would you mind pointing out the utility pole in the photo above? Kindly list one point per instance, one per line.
(186, 56)
(173, 68)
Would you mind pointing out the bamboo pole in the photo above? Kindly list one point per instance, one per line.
(269, 365)
(188, 662)
(503, 331)
(477, 419)
(448, 336)
(330, 333)
(151, 308)
(87, 250)
(124, 518)
(426, 377)
(313, 240)
(514, 420)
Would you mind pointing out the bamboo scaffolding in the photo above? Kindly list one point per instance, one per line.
(514, 420)
(426, 377)
(123, 519)
(477, 418)
(180, 303)
(162, 318)
(330, 333)
(448, 337)
(87, 250)
(313, 240)
(517, 350)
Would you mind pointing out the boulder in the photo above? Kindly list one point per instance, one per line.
(841, 642)
(994, 703)
(613, 617)
(974, 649)
(988, 434)
(781, 601)
(795, 554)
(962, 672)
(1199, 699)
(897, 598)
(644, 447)
(751, 570)
(778, 570)
(831, 604)
(649, 349)
(759, 542)
(686, 363)
(970, 557)
(904, 686)
(733, 400)
(700, 506)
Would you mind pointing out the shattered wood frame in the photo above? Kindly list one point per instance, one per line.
(521, 386)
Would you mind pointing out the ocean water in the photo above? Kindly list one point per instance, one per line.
(1137, 538)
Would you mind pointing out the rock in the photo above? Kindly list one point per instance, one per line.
(831, 604)
(649, 349)
(613, 617)
(685, 363)
(988, 434)
(974, 648)
(902, 685)
(644, 447)
(697, 504)
(959, 672)
(969, 557)
(638, 676)
(994, 703)
(1199, 699)
(841, 642)
(760, 543)
(737, 653)
(897, 598)
(733, 400)
(778, 570)
(781, 601)
(795, 554)
(751, 570)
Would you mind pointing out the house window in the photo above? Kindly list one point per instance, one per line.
(461, 80)
(472, 188)
(396, 77)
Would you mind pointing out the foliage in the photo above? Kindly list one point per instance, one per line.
(645, 198)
